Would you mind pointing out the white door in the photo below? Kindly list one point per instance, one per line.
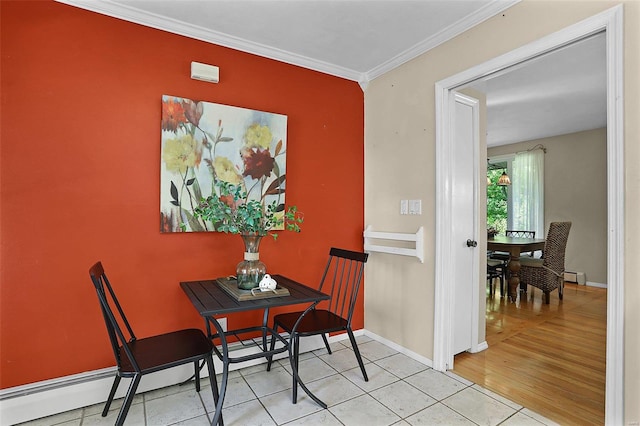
(464, 233)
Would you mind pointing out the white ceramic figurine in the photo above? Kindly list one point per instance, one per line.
(267, 283)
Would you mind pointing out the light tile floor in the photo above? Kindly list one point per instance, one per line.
(400, 391)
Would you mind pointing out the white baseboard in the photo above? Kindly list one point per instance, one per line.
(592, 284)
(479, 347)
(407, 352)
(41, 399)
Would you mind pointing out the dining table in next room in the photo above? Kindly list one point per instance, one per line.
(514, 246)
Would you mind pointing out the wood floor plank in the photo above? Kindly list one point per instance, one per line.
(548, 358)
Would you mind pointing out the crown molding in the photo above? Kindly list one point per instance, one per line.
(443, 36)
(137, 16)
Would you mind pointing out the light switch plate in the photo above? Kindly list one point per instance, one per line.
(404, 206)
(415, 206)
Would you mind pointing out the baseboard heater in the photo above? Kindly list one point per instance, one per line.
(575, 277)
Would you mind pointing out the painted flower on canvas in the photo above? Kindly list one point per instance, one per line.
(208, 146)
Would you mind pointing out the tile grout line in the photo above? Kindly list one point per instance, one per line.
(316, 356)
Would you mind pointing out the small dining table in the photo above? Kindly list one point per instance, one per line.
(211, 299)
(514, 246)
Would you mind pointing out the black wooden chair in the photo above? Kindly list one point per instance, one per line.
(521, 234)
(496, 270)
(137, 357)
(341, 280)
(504, 256)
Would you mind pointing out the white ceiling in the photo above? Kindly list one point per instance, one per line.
(362, 39)
(561, 92)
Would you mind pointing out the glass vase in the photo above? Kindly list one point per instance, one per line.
(251, 270)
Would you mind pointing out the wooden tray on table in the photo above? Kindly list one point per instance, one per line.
(230, 286)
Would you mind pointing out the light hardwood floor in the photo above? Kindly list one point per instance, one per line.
(548, 358)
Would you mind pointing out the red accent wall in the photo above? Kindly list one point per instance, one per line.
(79, 179)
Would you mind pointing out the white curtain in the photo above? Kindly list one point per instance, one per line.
(527, 186)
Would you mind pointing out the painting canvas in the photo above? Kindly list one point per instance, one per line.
(204, 143)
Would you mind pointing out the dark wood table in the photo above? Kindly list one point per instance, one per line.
(210, 300)
(514, 246)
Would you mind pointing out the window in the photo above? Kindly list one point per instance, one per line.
(497, 196)
(520, 205)
(527, 190)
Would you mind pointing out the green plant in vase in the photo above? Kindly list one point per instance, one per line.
(231, 211)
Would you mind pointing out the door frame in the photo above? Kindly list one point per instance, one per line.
(610, 21)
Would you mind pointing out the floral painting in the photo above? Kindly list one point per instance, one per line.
(205, 144)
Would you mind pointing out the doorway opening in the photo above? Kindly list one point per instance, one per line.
(611, 22)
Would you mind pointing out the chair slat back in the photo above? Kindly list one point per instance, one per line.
(341, 279)
(555, 246)
(114, 316)
(520, 234)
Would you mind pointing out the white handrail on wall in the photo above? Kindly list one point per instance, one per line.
(418, 238)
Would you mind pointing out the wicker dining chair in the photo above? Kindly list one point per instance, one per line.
(547, 273)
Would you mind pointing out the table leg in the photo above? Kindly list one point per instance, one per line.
(514, 279)
(217, 417)
(265, 319)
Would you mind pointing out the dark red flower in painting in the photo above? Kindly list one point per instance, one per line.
(257, 163)
(172, 115)
(192, 111)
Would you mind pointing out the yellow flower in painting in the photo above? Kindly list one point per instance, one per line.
(258, 136)
(226, 171)
(181, 153)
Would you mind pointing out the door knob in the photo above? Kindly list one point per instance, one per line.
(472, 243)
